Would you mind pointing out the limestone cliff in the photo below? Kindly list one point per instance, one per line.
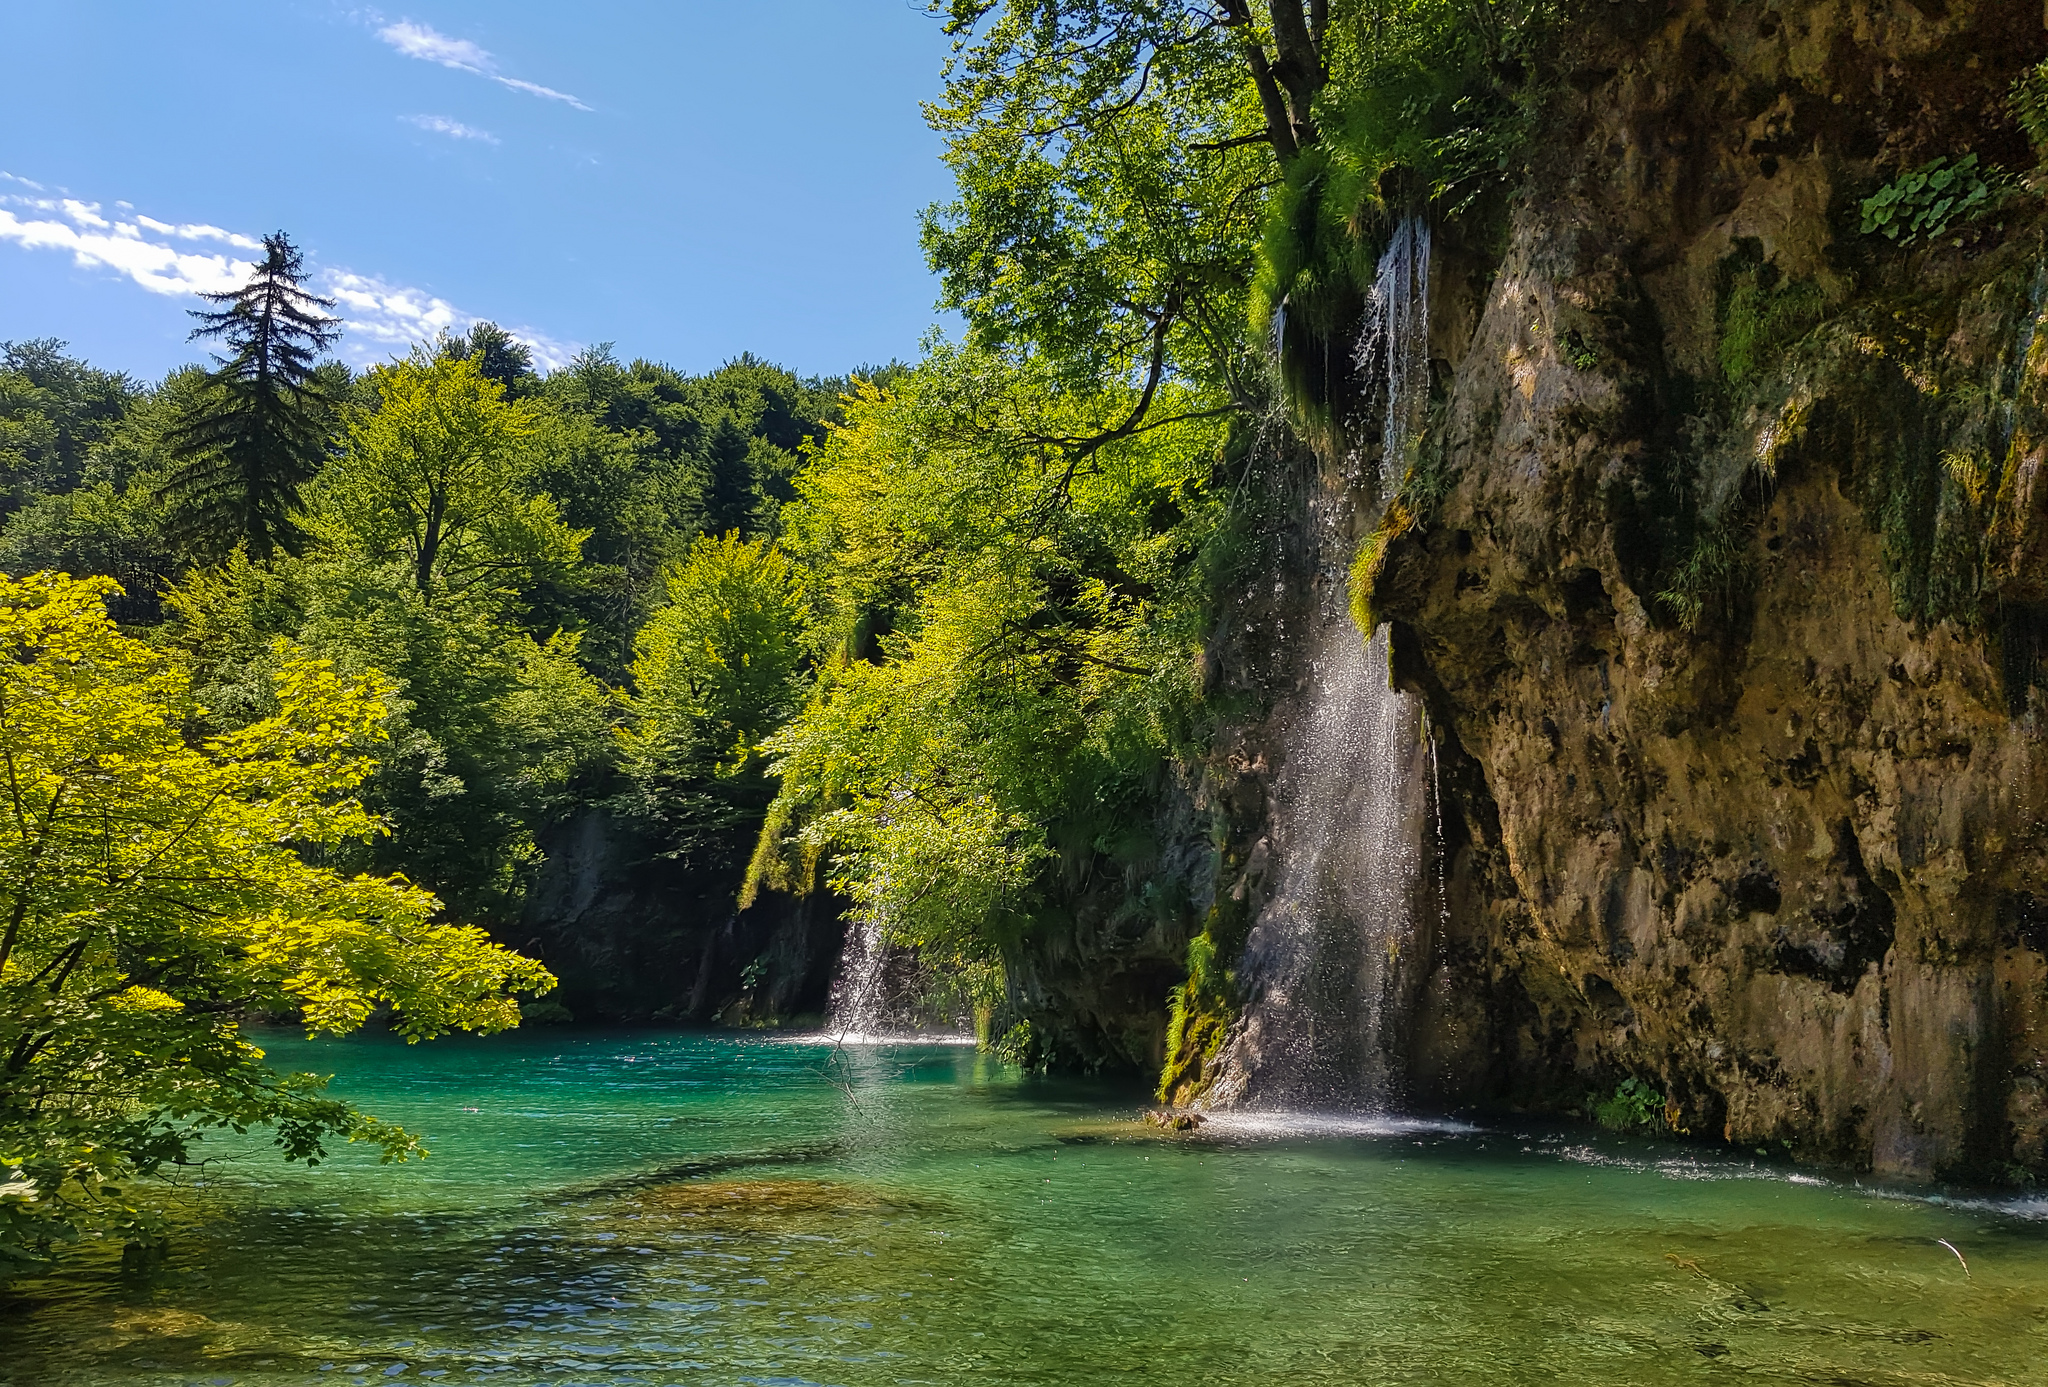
(1728, 606)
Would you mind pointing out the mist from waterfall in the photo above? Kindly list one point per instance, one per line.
(1323, 966)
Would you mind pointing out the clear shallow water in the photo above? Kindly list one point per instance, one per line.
(663, 1209)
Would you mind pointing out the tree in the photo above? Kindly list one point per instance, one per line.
(716, 670)
(437, 477)
(263, 429)
(153, 890)
(1112, 166)
(718, 664)
(54, 410)
(1007, 647)
(499, 356)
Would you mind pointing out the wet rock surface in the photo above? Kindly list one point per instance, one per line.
(1785, 860)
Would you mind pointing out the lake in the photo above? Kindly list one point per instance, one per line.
(667, 1208)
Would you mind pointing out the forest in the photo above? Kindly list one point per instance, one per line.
(954, 647)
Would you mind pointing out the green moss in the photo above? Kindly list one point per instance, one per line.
(1371, 558)
(1758, 312)
(1198, 1020)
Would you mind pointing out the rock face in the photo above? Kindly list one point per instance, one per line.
(637, 938)
(1729, 624)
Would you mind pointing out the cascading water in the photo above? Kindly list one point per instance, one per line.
(1347, 834)
(885, 992)
(857, 1010)
(1349, 820)
(1393, 347)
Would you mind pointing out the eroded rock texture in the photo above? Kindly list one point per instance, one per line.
(1729, 625)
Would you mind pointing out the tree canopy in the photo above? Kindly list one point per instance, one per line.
(154, 890)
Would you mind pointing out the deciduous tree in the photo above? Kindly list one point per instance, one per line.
(154, 890)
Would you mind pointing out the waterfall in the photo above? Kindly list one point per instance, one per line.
(885, 992)
(1324, 961)
(1347, 831)
(1393, 346)
(856, 1007)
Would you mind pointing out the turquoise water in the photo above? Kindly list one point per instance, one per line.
(663, 1209)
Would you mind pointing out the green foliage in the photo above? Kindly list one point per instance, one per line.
(499, 356)
(1633, 1107)
(716, 671)
(1706, 574)
(2028, 103)
(1424, 109)
(1008, 629)
(153, 889)
(1760, 314)
(717, 667)
(1928, 202)
(437, 479)
(1109, 175)
(1198, 1019)
(54, 412)
(261, 429)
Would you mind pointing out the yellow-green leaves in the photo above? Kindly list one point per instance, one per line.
(154, 888)
(437, 478)
(718, 664)
(1013, 604)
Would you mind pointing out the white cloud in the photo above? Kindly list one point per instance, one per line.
(537, 90)
(420, 41)
(431, 46)
(396, 317)
(159, 268)
(381, 319)
(454, 129)
(190, 231)
(85, 214)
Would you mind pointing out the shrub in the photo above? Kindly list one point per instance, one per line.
(1930, 200)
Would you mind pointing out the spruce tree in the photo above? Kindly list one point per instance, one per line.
(265, 424)
(731, 498)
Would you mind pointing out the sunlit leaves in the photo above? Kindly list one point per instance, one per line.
(154, 888)
(1008, 637)
(1110, 186)
(436, 478)
(717, 666)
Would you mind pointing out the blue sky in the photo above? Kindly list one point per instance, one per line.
(686, 179)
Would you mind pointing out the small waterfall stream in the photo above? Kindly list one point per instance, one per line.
(1393, 347)
(885, 993)
(1349, 823)
(856, 1006)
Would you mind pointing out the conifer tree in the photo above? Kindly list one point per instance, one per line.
(730, 497)
(266, 423)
